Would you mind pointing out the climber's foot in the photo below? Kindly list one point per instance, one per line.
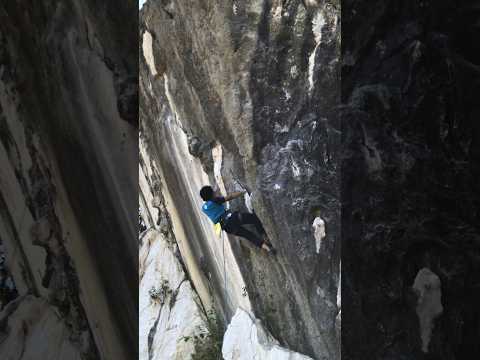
(268, 248)
(268, 244)
(266, 240)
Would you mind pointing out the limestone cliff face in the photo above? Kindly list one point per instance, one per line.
(169, 309)
(246, 91)
(410, 195)
(246, 339)
(68, 142)
(175, 307)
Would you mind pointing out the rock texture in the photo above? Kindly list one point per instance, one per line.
(246, 339)
(169, 309)
(172, 315)
(27, 319)
(247, 92)
(410, 195)
(429, 303)
(68, 143)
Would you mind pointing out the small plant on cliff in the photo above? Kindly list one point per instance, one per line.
(208, 341)
(159, 294)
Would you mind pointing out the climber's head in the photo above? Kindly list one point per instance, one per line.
(206, 193)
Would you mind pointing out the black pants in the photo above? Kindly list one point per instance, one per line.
(233, 225)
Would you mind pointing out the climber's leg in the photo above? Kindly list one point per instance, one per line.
(247, 234)
(234, 226)
(247, 218)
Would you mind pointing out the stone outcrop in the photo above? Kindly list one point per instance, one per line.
(170, 313)
(246, 339)
(245, 94)
(429, 303)
(30, 321)
(68, 142)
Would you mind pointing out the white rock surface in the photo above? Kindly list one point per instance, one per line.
(165, 322)
(248, 202)
(148, 52)
(318, 22)
(35, 331)
(319, 232)
(429, 305)
(21, 238)
(246, 339)
(147, 199)
(217, 154)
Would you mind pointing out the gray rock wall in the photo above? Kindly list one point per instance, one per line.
(410, 195)
(260, 80)
(68, 142)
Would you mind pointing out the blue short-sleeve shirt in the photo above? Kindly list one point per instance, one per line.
(214, 208)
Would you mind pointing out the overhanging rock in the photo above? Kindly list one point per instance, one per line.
(246, 339)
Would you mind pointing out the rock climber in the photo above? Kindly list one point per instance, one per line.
(232, 221)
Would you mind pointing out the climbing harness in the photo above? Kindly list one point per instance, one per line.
(227, 215)
(221, 222)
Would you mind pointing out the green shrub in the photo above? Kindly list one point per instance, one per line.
(160, 294)
(208, 341)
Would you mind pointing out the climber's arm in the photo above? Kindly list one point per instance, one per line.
(234, 195)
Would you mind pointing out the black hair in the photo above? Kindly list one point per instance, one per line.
(206, 193)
